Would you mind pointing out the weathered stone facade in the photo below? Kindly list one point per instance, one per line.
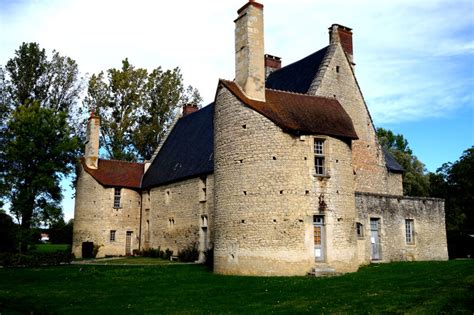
(95, 217)
(280, 181)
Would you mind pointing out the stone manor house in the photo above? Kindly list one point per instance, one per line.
(281, 175)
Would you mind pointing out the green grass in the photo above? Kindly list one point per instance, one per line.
(421, 287)
(49, 248)
(133, 261)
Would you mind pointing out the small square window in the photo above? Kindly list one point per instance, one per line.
(112, 235)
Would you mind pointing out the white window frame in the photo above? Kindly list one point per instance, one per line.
(319, 150)
(117, 197)
(410, 231)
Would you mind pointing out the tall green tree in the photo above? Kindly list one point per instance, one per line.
(415, 179)
(38, 146)
(136, 107)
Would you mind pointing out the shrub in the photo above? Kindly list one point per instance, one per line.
(34, 259)
(168, 253)
(189, 254)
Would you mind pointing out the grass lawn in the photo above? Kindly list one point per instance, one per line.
(420, 287)
(132, 261)
(48, 248)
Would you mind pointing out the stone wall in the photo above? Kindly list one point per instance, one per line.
(179, 215)
(266, 193)
(429, 227)
(336, 79)
(95, 217)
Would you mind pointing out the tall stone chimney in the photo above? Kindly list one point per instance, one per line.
(249, 50)
(189, 109)
(342, 34)
(91, 154)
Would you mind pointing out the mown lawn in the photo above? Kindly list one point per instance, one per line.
(49, 248)
(421, 287)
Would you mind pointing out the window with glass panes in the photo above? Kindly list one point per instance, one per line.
(410, 231)
(117, 195)
(319, 157)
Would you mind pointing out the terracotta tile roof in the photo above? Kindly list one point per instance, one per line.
(117, 173)
(299, 113)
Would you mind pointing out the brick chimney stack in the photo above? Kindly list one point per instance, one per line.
(342, 34)
(249, 50)
(272, 63)
(91, 153)
(189, 109)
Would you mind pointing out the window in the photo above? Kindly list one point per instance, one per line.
(202, 189)
(409, 231)
(117, 195)
(360, 230)
(319, 157)
(112, 235)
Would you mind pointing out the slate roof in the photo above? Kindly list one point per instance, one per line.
(187, 152)
(298, 76)
(392, 164)
(299, 113)
(117, 173)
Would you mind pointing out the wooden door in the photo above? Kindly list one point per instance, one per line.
(319, 237)
(375, 239)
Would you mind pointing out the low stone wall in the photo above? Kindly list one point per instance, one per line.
(429, 242)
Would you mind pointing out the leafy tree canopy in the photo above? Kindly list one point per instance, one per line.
(454, 182)
(136, 108)
(415, 180)
(38, 99)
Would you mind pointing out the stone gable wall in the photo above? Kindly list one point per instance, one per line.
(336, 79)
(95, 217)
(429, 226)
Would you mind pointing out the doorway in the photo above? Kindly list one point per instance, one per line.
(319, 237)
(375, 238)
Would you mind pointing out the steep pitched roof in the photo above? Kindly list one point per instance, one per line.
(187, 152)
(298, 76)
(300, 114)
(392, 164)
(116, 173)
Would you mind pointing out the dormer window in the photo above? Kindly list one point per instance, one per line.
(117, 196)
(319, 157)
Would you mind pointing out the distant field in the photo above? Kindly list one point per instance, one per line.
(48, 248)
(414, 288)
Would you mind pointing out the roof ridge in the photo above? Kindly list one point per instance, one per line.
(303, 94)
(122, 161)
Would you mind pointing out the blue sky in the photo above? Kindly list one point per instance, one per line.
(414, 59)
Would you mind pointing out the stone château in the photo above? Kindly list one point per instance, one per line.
(281, 175)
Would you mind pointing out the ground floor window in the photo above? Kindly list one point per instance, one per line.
(112, 235)
(409, 231)
(360, 230)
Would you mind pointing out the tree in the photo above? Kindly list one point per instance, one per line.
(38, 147)
(454, 183)
(136, 107)
(60, 232)
(415, 180)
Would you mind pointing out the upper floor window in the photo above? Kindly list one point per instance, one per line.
(117, 195)
(360, 230)
(410, 231)
(203, 189)
(319, 157)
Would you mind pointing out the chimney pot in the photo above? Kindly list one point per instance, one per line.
(189, 109)
(343, 35)
(272, 63)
